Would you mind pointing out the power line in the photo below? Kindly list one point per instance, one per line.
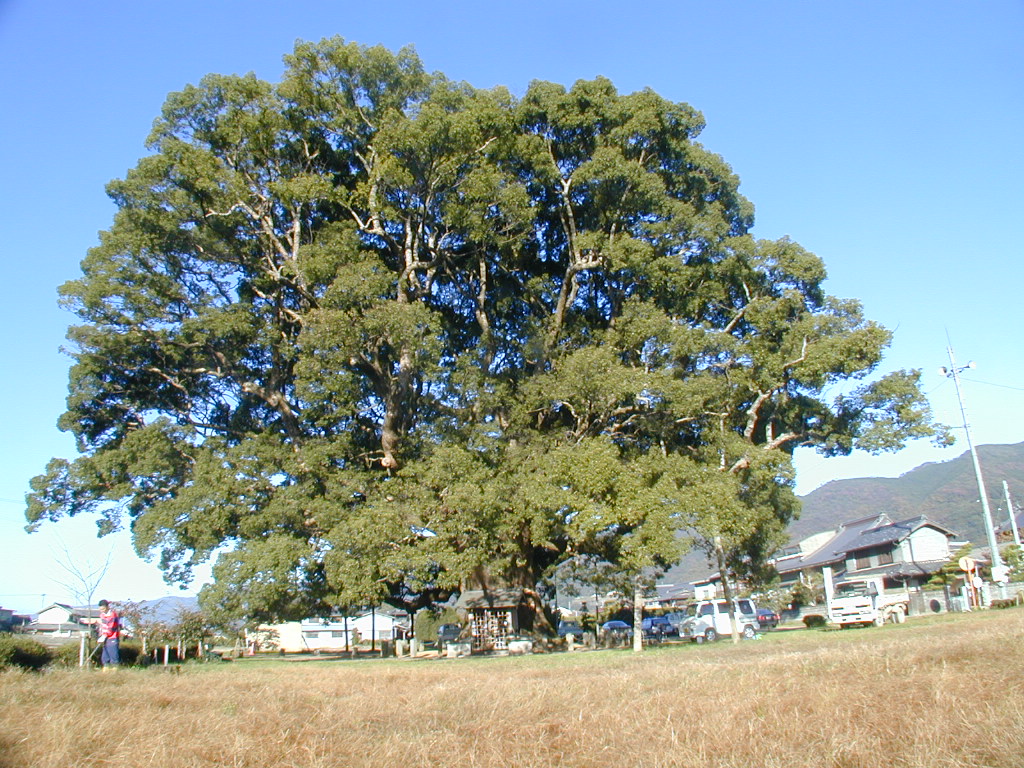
(993, 384)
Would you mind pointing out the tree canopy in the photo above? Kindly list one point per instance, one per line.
(372, 335)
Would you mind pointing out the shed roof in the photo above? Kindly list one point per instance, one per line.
(489, 598)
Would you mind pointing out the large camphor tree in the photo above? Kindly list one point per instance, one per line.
(369, 335)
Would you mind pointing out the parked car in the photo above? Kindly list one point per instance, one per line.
(658, 625)
(448, 633)
(708, 620)
(566, 628)
(616, 628)
(767, 618)
(676, 619)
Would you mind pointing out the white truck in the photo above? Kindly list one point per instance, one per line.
(863, 602)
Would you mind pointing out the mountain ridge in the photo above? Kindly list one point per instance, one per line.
(946, 492)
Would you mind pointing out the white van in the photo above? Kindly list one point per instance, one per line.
(707, 620)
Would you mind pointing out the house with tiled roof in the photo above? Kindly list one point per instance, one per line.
(905, 553)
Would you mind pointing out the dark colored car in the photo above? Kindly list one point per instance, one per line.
(658, 625)
(448, 633)
(566, 628)
(767, 618)
(616, 628)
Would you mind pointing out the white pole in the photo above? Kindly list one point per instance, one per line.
(997, 561)
(1013, 517)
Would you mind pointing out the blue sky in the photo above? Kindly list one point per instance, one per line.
(883, 136)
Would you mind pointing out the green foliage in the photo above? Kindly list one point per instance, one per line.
(371, 335)
(23, 653)
(1005, 603)
(68, 655)
(950, 572)
(815, 621)
(1013, 557)
(808, 591)
(428, 620)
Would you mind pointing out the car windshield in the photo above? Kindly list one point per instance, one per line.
(852, 589)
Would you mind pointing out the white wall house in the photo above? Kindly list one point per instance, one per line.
(60, 620)
(334, 633)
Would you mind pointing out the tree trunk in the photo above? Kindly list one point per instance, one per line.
(638, 616)
(726, 589)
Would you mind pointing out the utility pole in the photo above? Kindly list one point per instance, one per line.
(953, 372)
(1013, 516)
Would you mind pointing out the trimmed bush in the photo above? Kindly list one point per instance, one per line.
(67, 655)
(23, 653)
(815, 621)
(1004, 603)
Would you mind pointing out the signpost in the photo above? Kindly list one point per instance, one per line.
(970, 567)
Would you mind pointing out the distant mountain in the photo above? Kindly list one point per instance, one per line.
(168, 609)
(946, 492)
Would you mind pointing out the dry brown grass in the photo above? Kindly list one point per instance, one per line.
(934, 693)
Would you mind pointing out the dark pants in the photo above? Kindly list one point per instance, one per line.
(111, 653)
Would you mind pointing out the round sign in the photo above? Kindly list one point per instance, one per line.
(978, 583)
(966, 564)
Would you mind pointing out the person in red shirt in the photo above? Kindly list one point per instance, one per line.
(109, 635)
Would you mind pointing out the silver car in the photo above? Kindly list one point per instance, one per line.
(707, 620)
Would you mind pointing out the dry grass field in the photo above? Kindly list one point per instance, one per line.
(932, 693)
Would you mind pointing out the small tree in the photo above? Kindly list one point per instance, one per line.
(191, 629)
(1014, 558)
(142, 623)
(950, 573)
(810, 590)
(82, 576)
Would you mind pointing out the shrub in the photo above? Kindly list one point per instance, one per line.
(23, 652)
(429, 619)
(1004, 603)
(814, 621)
(67, 655)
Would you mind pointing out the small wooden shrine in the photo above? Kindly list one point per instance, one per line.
(493, 616)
